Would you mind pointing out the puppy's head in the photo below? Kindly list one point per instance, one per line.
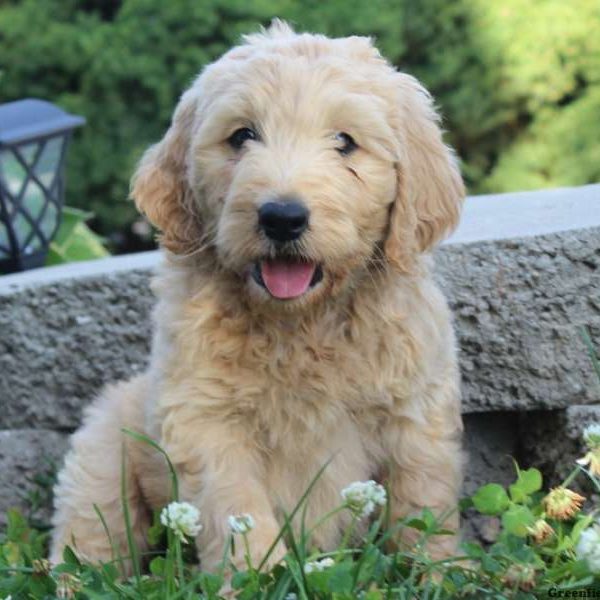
(298, 162)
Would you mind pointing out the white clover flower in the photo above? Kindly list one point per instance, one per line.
(182, 518)
(588, 547)
(362, 497)
(291, 596)
(591, 435)
(318, 565)
(241, 523)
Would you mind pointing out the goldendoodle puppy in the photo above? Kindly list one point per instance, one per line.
(299, 189)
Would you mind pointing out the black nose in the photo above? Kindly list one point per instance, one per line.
(283, 221)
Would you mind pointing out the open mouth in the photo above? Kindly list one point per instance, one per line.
(287, 278)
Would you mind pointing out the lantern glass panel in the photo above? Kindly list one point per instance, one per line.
(32, 203)
(3, 241)
(50, 221)
(22, 229)
(14, 172)
(46, 167)
(28, 152)
(33, 199)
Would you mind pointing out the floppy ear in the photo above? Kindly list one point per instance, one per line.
(430, 189)
(159, 185)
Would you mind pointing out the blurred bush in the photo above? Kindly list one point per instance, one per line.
(517, 81)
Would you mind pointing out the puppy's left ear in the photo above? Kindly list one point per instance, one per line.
(430, 189)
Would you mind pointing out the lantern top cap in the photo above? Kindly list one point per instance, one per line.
(29, 119)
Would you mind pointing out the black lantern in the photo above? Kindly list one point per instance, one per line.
(33, 140)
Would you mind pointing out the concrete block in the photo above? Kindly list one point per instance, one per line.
(27, 455)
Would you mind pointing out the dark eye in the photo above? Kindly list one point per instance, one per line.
(240, 136)
(347, 145)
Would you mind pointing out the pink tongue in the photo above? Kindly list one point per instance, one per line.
(287, 279)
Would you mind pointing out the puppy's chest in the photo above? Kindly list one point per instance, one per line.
(307, 381)
(307, 378)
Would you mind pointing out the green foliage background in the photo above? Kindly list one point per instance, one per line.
(518, 81)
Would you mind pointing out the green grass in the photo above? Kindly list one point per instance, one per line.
(514, 567)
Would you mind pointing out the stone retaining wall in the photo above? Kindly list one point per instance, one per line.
(522, 274)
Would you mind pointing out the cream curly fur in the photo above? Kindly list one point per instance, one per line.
(251, 395)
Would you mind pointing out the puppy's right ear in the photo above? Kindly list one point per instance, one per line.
(160, 184)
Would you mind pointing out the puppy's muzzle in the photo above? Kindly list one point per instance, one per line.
(284, 220)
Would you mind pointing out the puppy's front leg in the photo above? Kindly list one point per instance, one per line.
(221, 472)
(425, 470)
